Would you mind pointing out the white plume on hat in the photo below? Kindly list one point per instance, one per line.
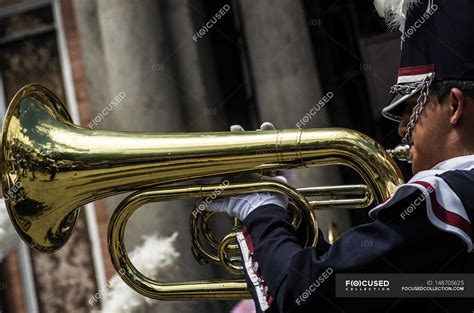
(394, 12)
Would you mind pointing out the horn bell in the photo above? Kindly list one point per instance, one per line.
(28, 165)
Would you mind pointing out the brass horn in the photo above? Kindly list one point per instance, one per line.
(51, 167)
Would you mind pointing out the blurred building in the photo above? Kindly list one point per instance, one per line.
(176, 66)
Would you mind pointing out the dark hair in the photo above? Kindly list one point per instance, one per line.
(440, 89)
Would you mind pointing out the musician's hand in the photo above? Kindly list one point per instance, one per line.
(241, 205)
(275, 175)
(264, 126)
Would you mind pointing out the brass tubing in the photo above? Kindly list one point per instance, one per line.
(194, 290)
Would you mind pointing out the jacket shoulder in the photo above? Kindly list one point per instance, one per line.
(449, 201)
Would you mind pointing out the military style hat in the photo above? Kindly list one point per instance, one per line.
(437, 43)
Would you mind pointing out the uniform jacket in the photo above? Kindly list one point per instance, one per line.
(425, 227)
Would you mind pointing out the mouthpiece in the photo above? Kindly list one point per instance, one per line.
(400, 152)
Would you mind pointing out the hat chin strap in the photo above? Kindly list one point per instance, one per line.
(418, 110)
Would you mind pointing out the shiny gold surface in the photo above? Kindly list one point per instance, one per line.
(54, 167)
(401, 153)
(196, 290)
(333, 233)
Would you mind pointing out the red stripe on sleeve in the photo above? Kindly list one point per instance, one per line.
(444, 215)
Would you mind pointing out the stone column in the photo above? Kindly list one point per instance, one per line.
(144, 53)
(287, 81)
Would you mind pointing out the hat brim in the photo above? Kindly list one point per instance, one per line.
(394, 110)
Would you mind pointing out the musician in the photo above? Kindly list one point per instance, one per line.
(425, 227)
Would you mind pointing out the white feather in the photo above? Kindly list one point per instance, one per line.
(153, 257)
(8, 236)
(394, 12)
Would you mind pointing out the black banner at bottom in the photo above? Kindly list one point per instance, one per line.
(404, 285)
